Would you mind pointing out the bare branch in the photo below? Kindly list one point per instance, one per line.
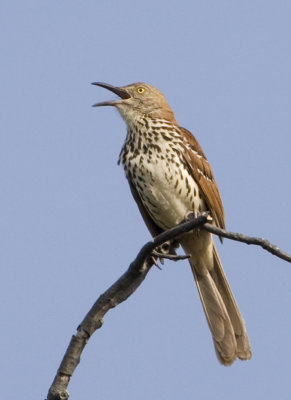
(126, 285)
(265, 244)
(116, 294)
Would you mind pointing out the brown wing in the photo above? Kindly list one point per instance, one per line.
(168, 247)
(200, 169)
(151, 225)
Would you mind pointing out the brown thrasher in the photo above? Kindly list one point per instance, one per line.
(170, 177)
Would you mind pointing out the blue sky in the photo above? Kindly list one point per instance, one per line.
(69, 227)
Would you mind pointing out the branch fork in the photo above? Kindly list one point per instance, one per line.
(126, 285)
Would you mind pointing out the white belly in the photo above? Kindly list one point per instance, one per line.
(168, 192)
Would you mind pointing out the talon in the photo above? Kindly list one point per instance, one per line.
(154, 259)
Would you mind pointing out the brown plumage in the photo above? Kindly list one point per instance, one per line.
(170, 177)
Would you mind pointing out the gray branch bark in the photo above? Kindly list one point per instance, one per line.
(126, 286)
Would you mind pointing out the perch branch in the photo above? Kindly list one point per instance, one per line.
(125, 286)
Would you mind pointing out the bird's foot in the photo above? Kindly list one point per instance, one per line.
(166, 250)
(172, 257)
(190, 216)
(195, 214)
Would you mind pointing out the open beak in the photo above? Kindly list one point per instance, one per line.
(122, 93)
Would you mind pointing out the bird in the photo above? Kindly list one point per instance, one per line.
(170, 178)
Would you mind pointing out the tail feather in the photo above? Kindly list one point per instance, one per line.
(224, 318)
(217, 317)
(218, 275)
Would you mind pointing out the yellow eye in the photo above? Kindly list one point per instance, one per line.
(140, 90)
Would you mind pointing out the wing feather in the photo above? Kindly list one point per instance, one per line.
(151, 225)
(168, 247)
(200, 169)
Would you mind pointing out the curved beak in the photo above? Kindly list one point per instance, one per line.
(122, 93)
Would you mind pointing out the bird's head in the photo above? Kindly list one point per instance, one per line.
(138, 99)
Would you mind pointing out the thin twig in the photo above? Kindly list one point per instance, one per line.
(265, 244)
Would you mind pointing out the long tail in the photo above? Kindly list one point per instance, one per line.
(224, 318)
